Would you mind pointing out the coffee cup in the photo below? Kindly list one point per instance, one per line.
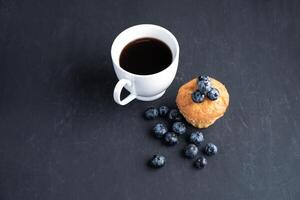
(143, 87)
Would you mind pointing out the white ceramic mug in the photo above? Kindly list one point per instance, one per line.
(143, 87)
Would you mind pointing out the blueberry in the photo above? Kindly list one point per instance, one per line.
(151, 113)
(210, 149)
(157, 161)
(203, 78)
(174, 115)
(196, 137)
(163, 111)
(204, 87)
(190, 151)
(213, 94)
(171, 138)
(179, 128)
(159, 130)
(200, 162)
(197, 96)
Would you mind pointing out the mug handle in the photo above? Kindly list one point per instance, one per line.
(117, 92)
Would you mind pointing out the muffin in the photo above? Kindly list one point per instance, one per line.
(204, 114)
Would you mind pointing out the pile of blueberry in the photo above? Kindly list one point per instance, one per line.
(170, 137)
(204, 89)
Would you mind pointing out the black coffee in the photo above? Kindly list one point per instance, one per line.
(145, 56)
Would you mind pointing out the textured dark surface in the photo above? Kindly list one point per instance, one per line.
(63, 137)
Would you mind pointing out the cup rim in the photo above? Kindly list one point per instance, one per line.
(142, 25)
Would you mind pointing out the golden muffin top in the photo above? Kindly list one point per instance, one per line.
(205, 113)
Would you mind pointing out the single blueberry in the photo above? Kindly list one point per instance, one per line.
(197, 96)
(179, 128)
(190, 151)
(210, 149)
(174, 115)
(163, 111)
(204, 87)
(213, 94)
(157, 161)
(196, 137)
(200, 162)
(171, 138)
(159, 130)
(151, 113)
(203, 78)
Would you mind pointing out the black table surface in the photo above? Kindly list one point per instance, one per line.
(63, 137)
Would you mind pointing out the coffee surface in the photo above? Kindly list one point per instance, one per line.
(145, 56)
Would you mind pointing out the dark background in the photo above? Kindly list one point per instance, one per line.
(63, 137)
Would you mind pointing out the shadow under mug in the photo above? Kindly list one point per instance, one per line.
(143, 87)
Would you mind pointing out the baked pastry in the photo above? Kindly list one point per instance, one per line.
(205, 113)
